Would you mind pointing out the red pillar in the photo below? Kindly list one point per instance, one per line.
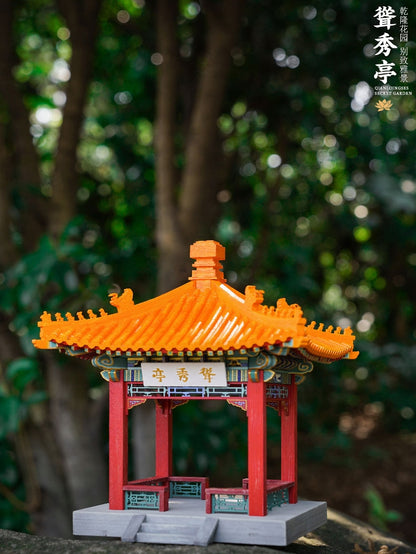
(289, 442)
(257, 446)
(117, 443)
(163, 438)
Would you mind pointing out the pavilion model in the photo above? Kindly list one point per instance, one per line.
(201, 341)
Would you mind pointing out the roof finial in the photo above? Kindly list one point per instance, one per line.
(207, 254)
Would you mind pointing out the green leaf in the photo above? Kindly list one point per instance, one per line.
(36, 397)
(21, 372)
(10, 415)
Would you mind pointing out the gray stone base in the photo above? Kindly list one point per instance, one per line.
(187, 523)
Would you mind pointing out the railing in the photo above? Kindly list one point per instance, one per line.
(236, 500)
(188, 487)
(146, 494)
(277, 497)
(154, 493)
(237, 390)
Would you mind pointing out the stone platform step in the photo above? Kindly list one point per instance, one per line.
(168, 528)
(164, 538)
(167, 533)
(145, 529)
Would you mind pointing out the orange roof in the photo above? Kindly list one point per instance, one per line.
(203, 315)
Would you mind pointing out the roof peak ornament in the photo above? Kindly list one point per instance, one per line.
(207, 255)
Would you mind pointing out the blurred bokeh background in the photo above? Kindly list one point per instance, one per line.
(129, 129)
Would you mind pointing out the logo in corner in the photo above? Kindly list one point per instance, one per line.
(384, 104)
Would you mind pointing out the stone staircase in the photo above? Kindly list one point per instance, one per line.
(175, 530)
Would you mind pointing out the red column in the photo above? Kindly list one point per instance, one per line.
(117, 443)
(163, 438)
(257, 446)
(289, 442)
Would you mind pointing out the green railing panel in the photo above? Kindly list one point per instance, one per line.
(141, 500)
(277, 498)
(185, 489)
(232, 503)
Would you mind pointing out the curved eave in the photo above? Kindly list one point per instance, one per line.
(191, 320)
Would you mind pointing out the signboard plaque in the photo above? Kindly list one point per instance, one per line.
(191, 374)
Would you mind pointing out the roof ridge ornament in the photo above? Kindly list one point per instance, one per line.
(123, 301)
(253, 297)
(207, 255)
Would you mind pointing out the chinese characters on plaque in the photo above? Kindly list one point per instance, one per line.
(191, 374)
(391, 49)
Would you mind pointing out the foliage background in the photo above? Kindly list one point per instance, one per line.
(309, 187)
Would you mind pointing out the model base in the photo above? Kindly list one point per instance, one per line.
(187, 523)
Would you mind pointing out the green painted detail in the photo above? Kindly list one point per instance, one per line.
(112, 375)
(238, 368)
(268, 375)
(280, 351)
(109, 362)
(286, 378)
(185, 489)
(264, 360)
(139, 500)
(236, 362)
(231, 503)
(254, 375)
(237, 375)
(281, 363)
(294, 365)
(134, 375)
(68, 351)
(277, 498)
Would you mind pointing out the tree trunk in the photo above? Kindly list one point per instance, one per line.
(82, 21)
(8, 254)
(26, 163)
(204, 157)
(169, 236)
(191, 217)
(79, 443)
(58, 448)
(85, 468)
